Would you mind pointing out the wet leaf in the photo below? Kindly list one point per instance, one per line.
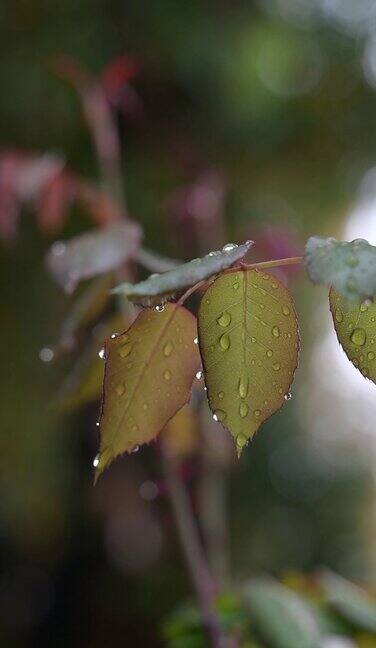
(148, 376)
(93, 253)
(355, 326)
(282, 618)
(184, 276)
(350, 601)
(349, 267)
(249, 343)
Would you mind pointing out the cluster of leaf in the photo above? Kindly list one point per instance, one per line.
(299, 612)
(245, 340)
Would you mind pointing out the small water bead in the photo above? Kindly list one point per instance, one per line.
(355, 362)
(136, 448)
(338, 315)
(276, 366)
(96, 460)
(120, 389)
(114, 335)
(58, 248)
(358, 337)
(102, 354)
(280, 390)
(167, 375)
(243, 386)
(46, 354)
(219, 415)
(195, 341)
(154, 275)
(229, 247)
(350, 325)
(160, 308)
(199, 375)
(257, 413)
(224, 320)
(351, 284)
(225, 342)
(241, 441)
(361, 358)
(274, 285)
(275, 331)
(243, 409)
(370, 355)
(288, 396)
(168, 349)
(269, 353)
(221, 395)
(364, 305)
(235, 285)
(285, 310)
(97, 424)
(214, 253)
(145, 406)
(125, 350)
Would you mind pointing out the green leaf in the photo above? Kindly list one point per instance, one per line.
(350, 601)
(93, 253)
(184, 276)
(148, 375)
(349, 267)
(282, 618)
(249, 343)
(356, 331)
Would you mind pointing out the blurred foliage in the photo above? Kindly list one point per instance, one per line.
(264, 112)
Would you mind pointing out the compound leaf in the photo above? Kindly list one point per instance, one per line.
(184, 276)
(148, 375)
(349, 267)
(355, 326)
(249, 343)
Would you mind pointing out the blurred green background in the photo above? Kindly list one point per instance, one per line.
(244, 120)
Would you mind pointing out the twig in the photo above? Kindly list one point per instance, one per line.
(204, 584)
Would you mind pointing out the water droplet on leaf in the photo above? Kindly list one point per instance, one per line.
(358, 337)
(225, 342)
(224, 319)
(275, 331)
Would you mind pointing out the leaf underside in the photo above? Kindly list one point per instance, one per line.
(349, 267)
(148, 375)
(184, 276)
(249, 342)
(355, 326)
(93, 253)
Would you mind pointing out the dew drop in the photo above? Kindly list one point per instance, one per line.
(219, 415)
(274, 285)
(285, 310)
(243, 410)
(224, 342)
(195, 340)
(364, 306)
(243, 386)
(167, 375)
(358, 337)
(114, 335)
(351, 260)
(235, 285)
(276, 366)
(97, 424)
(241, 441)
(224, 319)
(120, 389)
(275, 331)
(280, 390)
(355, 362)
(160, 308)
(199, 375)
(269, 353)
(46, 354)
(221, 395)
(288, 396)
(154, 275)
(257, 413)
(168, 349)
(102, 354)
(351, 284)
(125, 350)
(96, 460)
(338, 315)
(370, 355)
(136, 448)
(229, 247)
(58, 248)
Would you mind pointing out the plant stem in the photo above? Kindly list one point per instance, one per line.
(275, 263)
(203, 581)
